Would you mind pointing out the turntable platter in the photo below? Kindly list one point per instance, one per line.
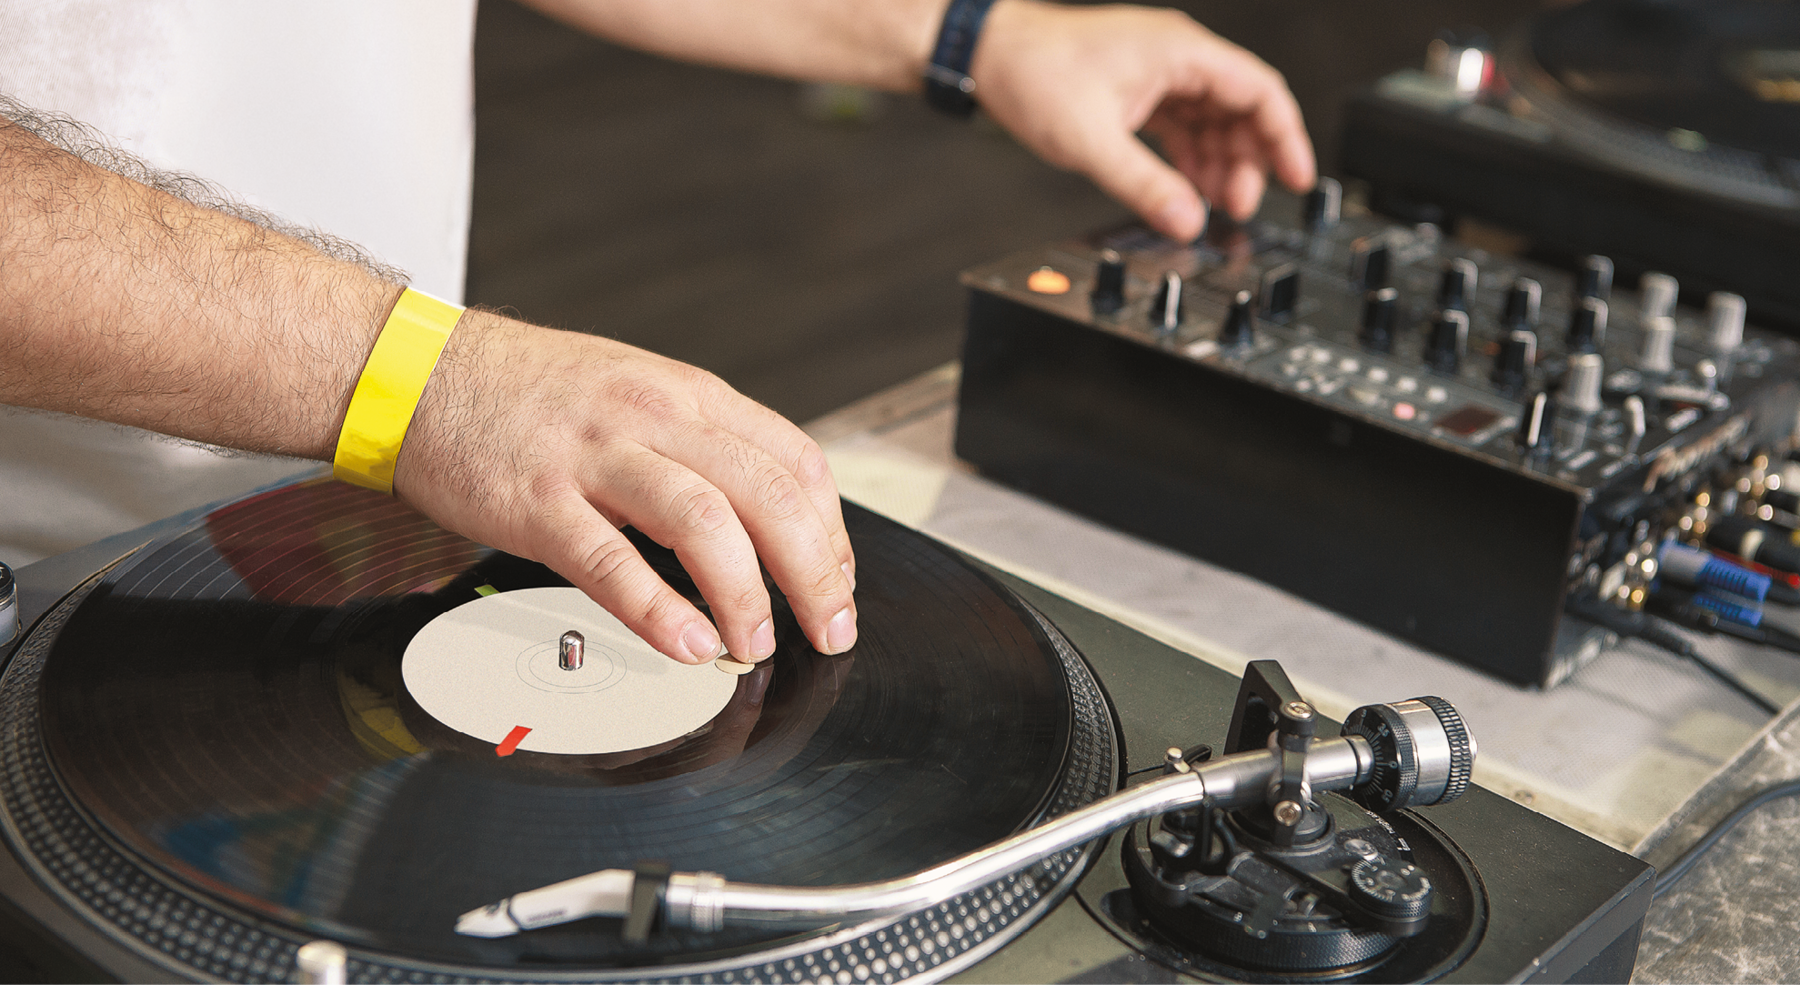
(1726, 70)
(212, 752)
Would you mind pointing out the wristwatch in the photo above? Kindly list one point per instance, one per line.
(948, 87)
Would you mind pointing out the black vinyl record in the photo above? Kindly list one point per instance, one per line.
(229, 743)
(1725, 70)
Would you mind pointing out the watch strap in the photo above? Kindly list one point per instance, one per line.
(948, 87)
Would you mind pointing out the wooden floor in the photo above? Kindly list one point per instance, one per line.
(704, 215)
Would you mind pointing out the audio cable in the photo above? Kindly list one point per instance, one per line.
(1711, 613)
(1642, 626)
(1666, 879)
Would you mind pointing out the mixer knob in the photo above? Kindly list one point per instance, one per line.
(1593, 279)
(1280, 291)
(1449, 335)
(1724, 321)
(1239, 328)
(1581, 384)
(1324, 205)
(1522, 301)
(1109, 284)
(1658, 355)
(1165, 313)
(1657, 294)
(1378, 318)
(1456, 288)
(1518, 351)
(1537, 425)
(1587, 326)
(1369, 263)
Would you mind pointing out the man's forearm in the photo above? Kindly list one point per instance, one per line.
(124, 303)
(882, 44)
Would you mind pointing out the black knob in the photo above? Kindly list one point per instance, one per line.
(1444, 346)
(1369, 263)
(1522, 300)
(1537, 425)
(1593, 279)
(1513, 363)
(1165, 312)
(1587, 326)
(1378, 318)
(1280, 292)
(1396, 892)
(1456, 287)
(1239, 327)
(1109, 284)
(1323, 205)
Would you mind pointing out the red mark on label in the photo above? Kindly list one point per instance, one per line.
(512, 740)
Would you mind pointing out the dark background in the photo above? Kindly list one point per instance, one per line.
(703, 214)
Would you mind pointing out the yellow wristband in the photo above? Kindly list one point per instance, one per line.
(388, 392)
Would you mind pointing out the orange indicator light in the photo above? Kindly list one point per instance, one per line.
(1048, 280)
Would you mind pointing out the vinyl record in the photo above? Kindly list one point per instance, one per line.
(1728, 70)
(1699, 94)
(213, 753)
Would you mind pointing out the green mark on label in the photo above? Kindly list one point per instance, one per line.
(486, 590)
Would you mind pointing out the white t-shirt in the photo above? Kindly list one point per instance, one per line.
(351, 116)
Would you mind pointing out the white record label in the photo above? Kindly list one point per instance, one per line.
(489, 668)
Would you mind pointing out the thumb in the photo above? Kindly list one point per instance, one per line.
(1128, 170)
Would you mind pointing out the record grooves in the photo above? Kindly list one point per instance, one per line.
(209, 753)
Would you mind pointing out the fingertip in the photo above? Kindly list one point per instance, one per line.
(1182, 218)
(840, 632)
(762, 641)
(700, 644)
(1297, 167)
(1245, 192)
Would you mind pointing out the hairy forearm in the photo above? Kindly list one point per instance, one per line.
(877, 43)
(124, 303)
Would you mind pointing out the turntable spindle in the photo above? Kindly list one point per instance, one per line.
(321, 963)
(570, 649)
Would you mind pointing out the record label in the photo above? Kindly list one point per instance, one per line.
(491, 667)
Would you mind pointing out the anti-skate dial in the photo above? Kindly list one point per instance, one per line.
(1391, 890)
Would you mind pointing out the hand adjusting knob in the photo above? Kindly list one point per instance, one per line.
(1423, 753)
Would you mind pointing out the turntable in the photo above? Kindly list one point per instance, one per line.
(257, 732)
(1661, 133)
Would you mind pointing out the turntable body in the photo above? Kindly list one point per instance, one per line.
(1558, 903)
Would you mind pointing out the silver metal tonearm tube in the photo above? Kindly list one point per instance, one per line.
(1228, 784)
(706, 901)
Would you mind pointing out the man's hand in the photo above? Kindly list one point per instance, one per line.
(544, 443)
(1076, 84)
(120, 302)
